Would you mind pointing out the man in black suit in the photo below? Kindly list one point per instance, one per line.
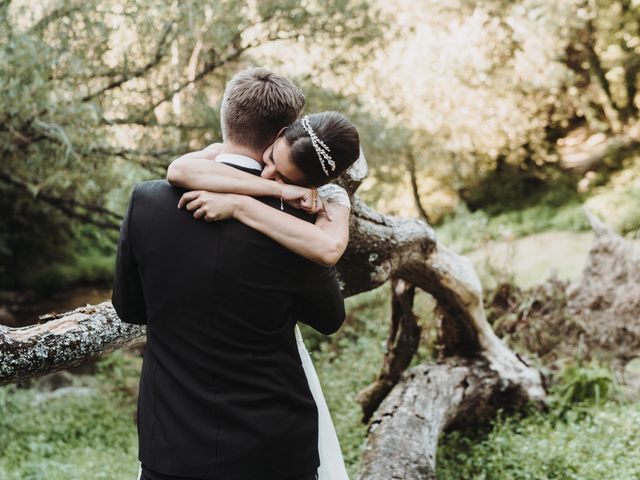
(223, 394)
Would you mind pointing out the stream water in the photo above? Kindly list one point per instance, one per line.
(25, 313)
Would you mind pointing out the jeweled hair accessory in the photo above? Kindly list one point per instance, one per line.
(320, 147)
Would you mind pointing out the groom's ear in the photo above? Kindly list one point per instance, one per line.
(281, 132)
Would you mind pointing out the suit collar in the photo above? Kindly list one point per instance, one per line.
(252, 171)
(239, 161)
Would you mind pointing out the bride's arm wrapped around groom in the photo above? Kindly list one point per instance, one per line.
(219, 191)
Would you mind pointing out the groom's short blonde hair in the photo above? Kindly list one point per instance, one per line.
(256, 104)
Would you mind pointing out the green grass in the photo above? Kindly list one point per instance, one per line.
(565, 252)
(600, 443)
(615, 198)
(466, 231)
(71, 437)
(349, 361)
(619, 202)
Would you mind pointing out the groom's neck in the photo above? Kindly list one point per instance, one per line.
(237, 149)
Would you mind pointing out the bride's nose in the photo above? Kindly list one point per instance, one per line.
(268, 172)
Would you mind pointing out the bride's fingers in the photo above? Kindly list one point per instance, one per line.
(195, 204)
(325, 209)
(187, 197)
(306, 203)
(310, 204)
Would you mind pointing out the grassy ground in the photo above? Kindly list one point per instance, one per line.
(529, 260)
(71, 437)
(615, 198)
(592, 444)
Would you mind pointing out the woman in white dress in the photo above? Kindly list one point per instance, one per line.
(310, 152)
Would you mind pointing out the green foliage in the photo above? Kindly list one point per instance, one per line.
(97, 95)
(26, 233)
(515, 187)
(502, 201)
(78, 271)
(70, 437)
(42, 249)
(119, 372)
(617, 196)
(469, 230)
(589, 385)
(601, 444)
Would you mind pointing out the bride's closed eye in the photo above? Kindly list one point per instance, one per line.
(270, 171)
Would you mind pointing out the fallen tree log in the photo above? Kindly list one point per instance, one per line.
(64, 341)
(402, 344)
(607, 295)
(382, 247)
(403, 435)
(604, 303)
(595, 316)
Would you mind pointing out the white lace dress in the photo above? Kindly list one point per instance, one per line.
(331, 460)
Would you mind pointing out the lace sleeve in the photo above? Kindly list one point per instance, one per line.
(334, 194)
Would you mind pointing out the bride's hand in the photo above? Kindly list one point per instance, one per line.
(209, 206)
(304, 198)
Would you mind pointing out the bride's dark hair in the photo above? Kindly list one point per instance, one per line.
(337, 132)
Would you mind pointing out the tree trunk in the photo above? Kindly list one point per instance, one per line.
(403, 435)
(411, 165)
(64, 341)
(599, 77)
(382, 247)
(402, 344)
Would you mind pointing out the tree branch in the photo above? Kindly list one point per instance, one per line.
(69, 206)
(154, 166)
(64, 341)
(402, 344)
(214, 64)
(157, 58)
(411, 166)
(53, 16)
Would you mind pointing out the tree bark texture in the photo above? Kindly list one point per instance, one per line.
(403, 435)
(402, 344)
(64, 341)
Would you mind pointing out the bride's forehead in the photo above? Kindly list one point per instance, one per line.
(280, 148)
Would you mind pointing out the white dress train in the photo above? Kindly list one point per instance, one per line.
(331, 460)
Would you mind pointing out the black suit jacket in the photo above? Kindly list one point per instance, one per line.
(222, 395)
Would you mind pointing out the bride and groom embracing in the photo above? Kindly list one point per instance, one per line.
(227, 388)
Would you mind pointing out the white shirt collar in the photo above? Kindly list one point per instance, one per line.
(239, 160)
